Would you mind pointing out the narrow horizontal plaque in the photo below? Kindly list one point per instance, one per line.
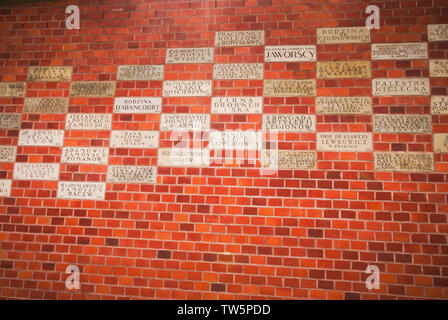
(343, 35)
(5, 188)
(12, 89)
(10, 120)
(344, 141)
(140, 72)
(289, 122)
(399, 51)
(438, 68)
(343, 69)
(401, 87)
(289, 88)
(289, 53)
(439, 104)
(93, 89)
(36, 171)
(438, 32)
(235, 140)
(131, 174)
(8, 153)
(441, 142)
(237, 105)
(402, 123)
(134, 139)
(88, 121)
(89, 155)
(45, 105)
(53, 73)
(183, 157)
(404, 161)
(288, 159)
(343, 105)
(187, 88)
(189, 55)
(41, 137)
(234, 71)
(186, 122)
(81, 190)
(138, 105)
(239, 38)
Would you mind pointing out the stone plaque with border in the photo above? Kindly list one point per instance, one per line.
(343, 69)
(289, 88)
(184, 122)
(438, 68)
(239, 38)
(81, 190)
(10, 120)
(5, 187)
(235, 71)
(41, 138)
(399, 51)
(343, 105)
(237, 105)
(36, 171)
(235, 140)
(131, 174)
(344, 141)
(187, 88)
(404, 161)
(134, 139)
(140, 72)
(441, 142)
(45, 105)
(385, 123)
(439, 104)
(401, 87)
(50, 73)
(438, 32)
(88, 121)
(12, 89)
(8, 153)
(138, 105)
(189, 55)
(89, 155)
(289, 122)
(183, 157)
(289, 53)
(288, 159)
(343, 35)
(92, 89)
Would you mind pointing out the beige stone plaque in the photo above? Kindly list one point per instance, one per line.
(401, 87)
(183, 157)
(53, 73)
(289, 88)
(440, 142)
(5, 188)
(138, 105)
(41, 138)
(289, 53)
(89, 155)
(399, 51)
(8, 153)
(12, 89)
(438, 68)
(140, 72)
(188, 88)
(234, 71)
(36, 171)
(344, 141)
(131, 174)
(189, 55)
(439, 104)
(134, 139)
(93, 89)
(438, 32)
(239, 38)
(343, 69)
(235, 140)
(288, 159)
(45, 105)
(404, 161)
(184, 122)
(88, 121)
(343, 105)
(10, 120)
(289, 122)
(402, 123)
(237, 105)
(81, 190)
(343, 35)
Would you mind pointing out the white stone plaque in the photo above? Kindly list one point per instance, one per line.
(140, 72)
(138, 105)
(183, 157)
(41, 137)
(288, 159)
(343, 105)
(344, 141)
(438, 68)
(343, 69)
(5, 188)
(289, 122)
(10, 120)
(237, 105)
(188, 88)
(343, 35)
(289, 53)
(235, 140)
(45, 105)
(439, 104)
(131, 174)
(8, 153)
(92, 89)
(88, 121)
(239, 38)
(36, 171)
(184, 122)
(12, 89)
(404, 161)
(289, 88)
(81, 190)
(402, 123)
(401, 87)
(399, 51)
(234, 71)
(89, 155)
(441, 142)
(438, 32)
(134, 139)
(189, 55)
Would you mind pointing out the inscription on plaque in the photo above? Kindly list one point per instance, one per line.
(90, 155)
(343, 35)
(10, 120)
(45, 105)
(186, 122)
(438, 68)
(233, 71)
(36, 171)
(288, 159)
(235, 140)
(289, 88)
(289, 53)
(237, 105)
(134, 139)
(138, 105)
(409, 161)
(401, 87)
(343, 105)
(81, 190)
(8, 153)
(343, 69)
(5, 188)
(189, 55)
(402, 123)
(439, 104)
(399, 51)
(289, 122)
(12, 89)
(56, 73)
(441, 142)
(88, 121)
(140, 72)
(343, 141)
(93, 89)
(438, 32)
(239, 38)
(183, 157)
(131, 174)
(190, 88)
(41, 137)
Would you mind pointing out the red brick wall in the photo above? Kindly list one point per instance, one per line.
(223, 231)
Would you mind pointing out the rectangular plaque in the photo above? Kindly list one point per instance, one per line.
(441, 142)
(53, 73)
(234, 71)
(235, 140)
(138, 105)
(140, 72)
(186, 122)
(89, 155)
(399, 51)
(289, 122)
(401, 87)
(189, 88)
(289, 53)
(12, 89)
(131, 174)
(344, 141)
(41, 137)
(10, 120)
(92, 89)
(288, 159)
(343, 69)
(289, 88)
(36, 171)
(402, 123)
(438, 68)
(404, 161)
(5, 188)
(343, 105)
(439, 104)
(343, 35)
(237, 105)
(45, 105)
(88, 121)
(8, 153)
(239, 38)
(189, 55)
(438, 32)
(183, 157)
(134, 139)
(81, 190)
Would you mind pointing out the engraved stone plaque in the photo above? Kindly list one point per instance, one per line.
(12, 89)
(88, 121)
(343, 35)
(439, 104)
(53, 73)
(81, 190)
(45, 105)
(8, 153)
(343, 69)
(289, 88)
(189, 88)
(438, 68)
(36, 171)
(288, 159)
(289, 53)
(89, 155)
(438, 32)
(344, 141)
(239, 38)
(235, 140)
(138, 105)
(189, 55)
(404, 161)
(289, 122)
(41, 137)
(131, 174)
(343, 105)
(401, 87)
(183, 157)
(402, 123)
(237, 105)
(5, 188)
(186, 122)
(134, 139)
(93, 89)
(441, 142)
(10, 120)
(399, 51)
(233, 71)
(140, 72)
